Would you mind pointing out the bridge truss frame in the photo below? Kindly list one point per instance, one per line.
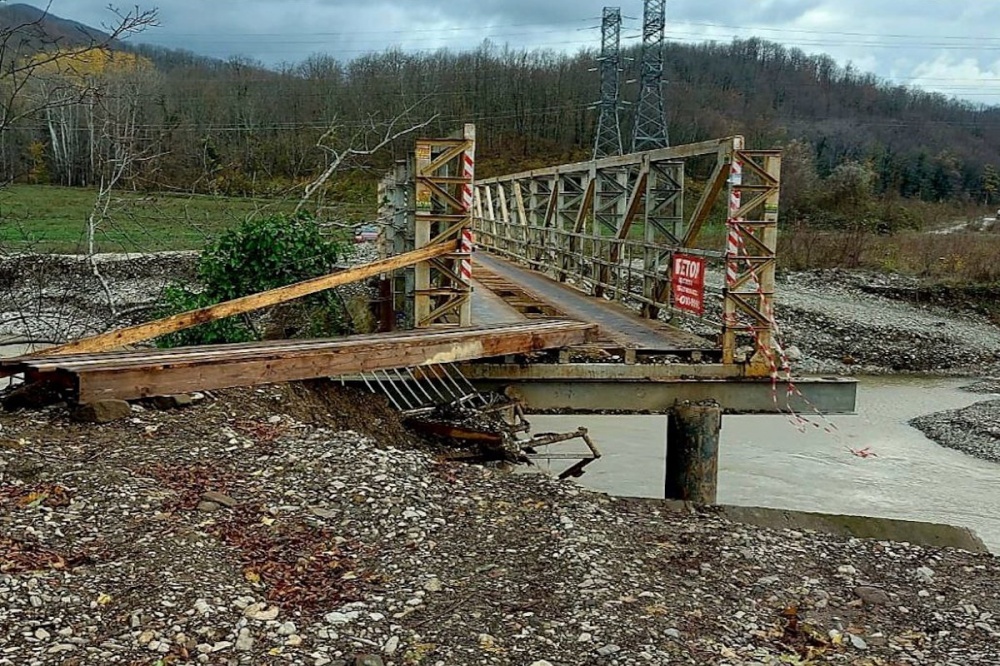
(611, 227)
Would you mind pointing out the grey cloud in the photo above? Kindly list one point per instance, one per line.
(942, 36)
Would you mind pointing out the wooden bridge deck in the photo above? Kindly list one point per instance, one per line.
(128, 375)
(538, 295)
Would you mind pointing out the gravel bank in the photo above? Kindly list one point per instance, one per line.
(272, 526)
(54, 298)
(841, 327)
(974, 430)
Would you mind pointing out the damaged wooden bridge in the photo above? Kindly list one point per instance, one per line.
(592, 291)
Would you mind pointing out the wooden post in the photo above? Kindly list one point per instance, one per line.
(693, 452)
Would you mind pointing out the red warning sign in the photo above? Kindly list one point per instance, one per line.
(688, 283)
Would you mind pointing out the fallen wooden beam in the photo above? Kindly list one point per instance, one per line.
(147, 373)
(179, 322)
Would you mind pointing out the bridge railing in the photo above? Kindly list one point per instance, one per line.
(614, 227)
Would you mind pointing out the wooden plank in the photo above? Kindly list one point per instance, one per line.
(179, 322)
(349, 357)
(269, 349)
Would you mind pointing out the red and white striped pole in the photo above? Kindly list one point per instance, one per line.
(467, 241)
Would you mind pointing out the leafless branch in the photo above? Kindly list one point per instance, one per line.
(372, 137)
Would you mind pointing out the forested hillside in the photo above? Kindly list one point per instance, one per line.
(237, 127)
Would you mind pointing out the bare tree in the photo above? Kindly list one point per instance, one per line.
(368, 138)
(26, 50)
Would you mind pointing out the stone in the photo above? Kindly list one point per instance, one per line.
(391, 645)
(41, 634)
(368, 660)
(673, 633)
(337, 618)
(608, 650)
(102, 411)
(167, 402)
(858, 642)
(872, 595)
(294, 640)
(287, 629)
(244, 642)
(925, 574)
(584, 638)
(541, 662)
(219, 498)
(433, 585)
(208, 507)
(262, 613)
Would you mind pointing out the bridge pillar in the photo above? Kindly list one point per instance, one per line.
(693, 452)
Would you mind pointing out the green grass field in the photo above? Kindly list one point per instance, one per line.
(46, 218)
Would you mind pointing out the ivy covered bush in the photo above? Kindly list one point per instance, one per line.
(260, 254)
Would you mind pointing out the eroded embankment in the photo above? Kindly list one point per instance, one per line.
(270, 524)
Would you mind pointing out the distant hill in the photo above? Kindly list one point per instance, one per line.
(29, 29)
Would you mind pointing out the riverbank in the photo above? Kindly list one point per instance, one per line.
(259, 525)
(856, 323)
(974, 430)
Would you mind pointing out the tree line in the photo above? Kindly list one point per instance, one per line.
(236, 127)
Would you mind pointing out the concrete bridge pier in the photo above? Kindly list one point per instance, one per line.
(692, 459)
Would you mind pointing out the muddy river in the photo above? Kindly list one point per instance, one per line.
(768, 461)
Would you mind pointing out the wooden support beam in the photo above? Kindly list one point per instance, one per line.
(179, 322)
(142, 374)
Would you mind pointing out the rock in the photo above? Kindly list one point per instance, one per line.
(219, 498)
(287, 628)
(925, 574)
(584, 638)
(673, 633)
(608, 650)
(368, 660)
(872, 595)
(42, 635)
(294, 640)
(274, 420)
(244, 643)
(793, 354)
(847, 570)
(208, 507)
(262, 613)
(221, 645)
(168, 402)
(433, 585)
(391, 645)
(541, 662)
(337, 618)
(102, 411)
(858, 642)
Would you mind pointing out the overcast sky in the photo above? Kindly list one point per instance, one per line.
(949, 46)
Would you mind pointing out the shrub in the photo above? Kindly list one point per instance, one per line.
(258, 255)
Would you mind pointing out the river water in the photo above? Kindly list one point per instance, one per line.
(768, 461)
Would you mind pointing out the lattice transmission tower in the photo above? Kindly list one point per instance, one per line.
(609, 134)
(650, 130)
